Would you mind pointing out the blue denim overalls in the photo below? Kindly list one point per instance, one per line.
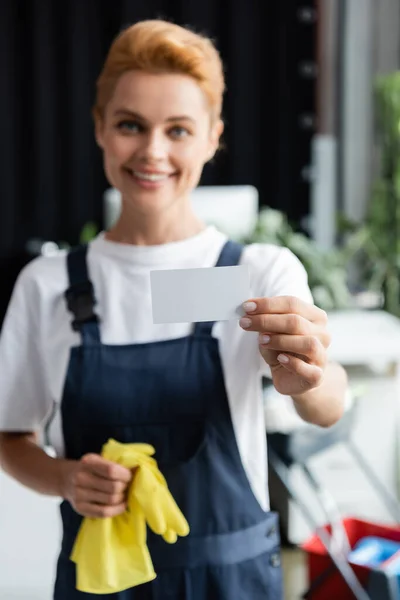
(170, 394)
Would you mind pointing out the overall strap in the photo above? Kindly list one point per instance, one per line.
(230, 254)
(80, 296)
(229, 257)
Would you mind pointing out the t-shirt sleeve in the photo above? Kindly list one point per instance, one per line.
(24, 396)
(288, 277)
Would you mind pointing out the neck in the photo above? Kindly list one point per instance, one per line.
(140, 229)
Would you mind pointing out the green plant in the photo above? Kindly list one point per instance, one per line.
(372, 246)
(327, 272)
(378, 258)
(89, 231)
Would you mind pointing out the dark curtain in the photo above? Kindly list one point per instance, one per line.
(50, 55)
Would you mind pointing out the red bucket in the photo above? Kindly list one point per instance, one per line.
(333, 586)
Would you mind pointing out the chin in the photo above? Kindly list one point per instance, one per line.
(146, 202)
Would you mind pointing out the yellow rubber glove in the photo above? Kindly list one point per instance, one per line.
(111, 554)
(162, 514)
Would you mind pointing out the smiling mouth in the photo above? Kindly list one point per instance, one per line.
(149, 177)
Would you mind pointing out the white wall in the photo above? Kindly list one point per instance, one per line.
(30, 533)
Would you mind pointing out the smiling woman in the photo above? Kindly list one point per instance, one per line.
(156, 133)
(192, 391)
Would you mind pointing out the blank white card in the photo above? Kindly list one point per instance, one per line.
(194, 295)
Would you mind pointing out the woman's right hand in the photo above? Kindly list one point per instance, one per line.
(96, 487)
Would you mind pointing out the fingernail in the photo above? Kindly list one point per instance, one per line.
(245, 322)
(264, 339)
(249, 306)
(283, 359)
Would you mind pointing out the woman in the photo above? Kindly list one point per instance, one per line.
(78, 342)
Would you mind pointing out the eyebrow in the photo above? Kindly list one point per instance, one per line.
(135, 115)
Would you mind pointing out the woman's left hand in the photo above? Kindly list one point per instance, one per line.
(293, 341)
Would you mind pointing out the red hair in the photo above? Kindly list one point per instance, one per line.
(158, 46)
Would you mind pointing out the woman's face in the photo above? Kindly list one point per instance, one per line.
(156, 136)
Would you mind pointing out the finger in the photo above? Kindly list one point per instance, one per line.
(153, 511)
(170, 536)
(106, 468)
(95, 497)
(311, 375)
(288, 324)
(286, 305)
(88, 509)
(176, 520)
(155, 517)
(307, 346)
(139, 448)
(89, 480)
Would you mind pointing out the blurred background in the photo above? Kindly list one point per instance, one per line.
(311, 161)
(51, 55)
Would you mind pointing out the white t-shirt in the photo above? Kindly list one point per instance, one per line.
(37, 336)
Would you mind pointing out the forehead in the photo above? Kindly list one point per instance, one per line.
(159, 96)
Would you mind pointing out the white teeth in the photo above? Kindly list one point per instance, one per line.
(150, 176)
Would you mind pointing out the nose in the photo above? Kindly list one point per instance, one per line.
(154, 148)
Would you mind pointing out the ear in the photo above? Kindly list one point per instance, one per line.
(99, 130)
(215, 136)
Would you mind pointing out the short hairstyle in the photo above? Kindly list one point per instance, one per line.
(158, 46)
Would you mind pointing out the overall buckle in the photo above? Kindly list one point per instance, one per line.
(80, 302)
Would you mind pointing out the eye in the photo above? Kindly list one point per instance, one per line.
(179, 132)
(130, 126)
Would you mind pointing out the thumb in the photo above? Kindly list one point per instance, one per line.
(270, 356)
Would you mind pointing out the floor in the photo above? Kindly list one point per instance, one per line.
(295, 574)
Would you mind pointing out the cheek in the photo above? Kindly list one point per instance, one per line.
(117, 149)
(191, 160)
